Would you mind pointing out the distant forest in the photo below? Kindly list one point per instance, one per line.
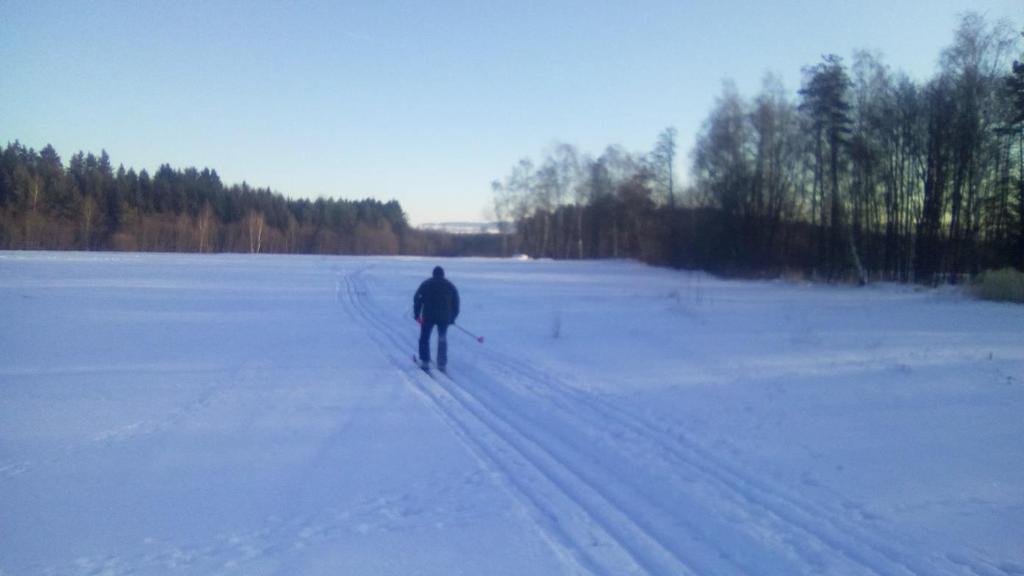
(89, 205)
(865, 175)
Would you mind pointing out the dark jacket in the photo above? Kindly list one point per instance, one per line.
(438, 300)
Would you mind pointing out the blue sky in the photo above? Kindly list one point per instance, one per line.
(423, 102)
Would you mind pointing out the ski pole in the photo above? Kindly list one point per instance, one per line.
(479, 339)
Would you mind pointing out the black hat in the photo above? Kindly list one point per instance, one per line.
(438, 272)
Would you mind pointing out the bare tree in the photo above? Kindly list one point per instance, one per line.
(567, 166)
(1015, 123)
(776, 136)
(973, 65)
(254, 225)
(546, 192)
(663, 159)
(207, 221)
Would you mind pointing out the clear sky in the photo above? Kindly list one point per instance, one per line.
(425, 102)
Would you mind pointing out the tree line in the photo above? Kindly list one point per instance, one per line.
(89, 205)
(863, 174)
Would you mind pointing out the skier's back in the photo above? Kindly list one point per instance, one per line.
(436, 303)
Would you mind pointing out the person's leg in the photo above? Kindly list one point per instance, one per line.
(442, 345)
(425, 330)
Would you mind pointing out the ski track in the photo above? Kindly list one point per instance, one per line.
(605, 523)
(627, 530)
(582, 541)
(614, 493)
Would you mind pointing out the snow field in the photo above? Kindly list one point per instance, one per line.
(262, 415)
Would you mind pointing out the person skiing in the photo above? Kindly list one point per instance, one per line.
(436, 303)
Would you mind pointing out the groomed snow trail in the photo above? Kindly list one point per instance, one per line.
(614, 493)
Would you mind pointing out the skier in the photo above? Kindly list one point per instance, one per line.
(438, 302)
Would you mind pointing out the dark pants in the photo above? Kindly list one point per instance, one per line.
(442, 342)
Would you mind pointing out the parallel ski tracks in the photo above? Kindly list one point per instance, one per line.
(870, 547)
(602, 519)
(589, 534)
(785, 525)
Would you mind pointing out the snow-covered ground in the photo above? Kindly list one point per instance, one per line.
(166, 414)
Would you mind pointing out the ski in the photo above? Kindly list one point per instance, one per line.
(431, 373)
(416, 361)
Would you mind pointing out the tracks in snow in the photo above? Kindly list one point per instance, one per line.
(615, 494)
(587, 542)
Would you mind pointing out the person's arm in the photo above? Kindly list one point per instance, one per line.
(417, 303)
(455, 303)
